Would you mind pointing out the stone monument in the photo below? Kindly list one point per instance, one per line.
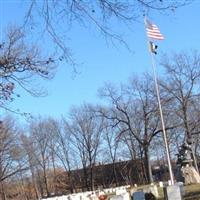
(186, 171)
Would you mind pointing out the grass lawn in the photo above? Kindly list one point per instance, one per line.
(192, 192)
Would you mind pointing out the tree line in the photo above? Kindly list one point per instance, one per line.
(125, 126)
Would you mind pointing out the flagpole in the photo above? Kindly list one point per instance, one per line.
(162, 119)
(160, 107)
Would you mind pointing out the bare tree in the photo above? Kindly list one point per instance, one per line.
(28, 146)
(86, 130)
(134, 110)
(182, 79)
(111, 148)
(42, 135)
(20, 62)
(12, 158)
(61, 151)
(56, 18)
(65, 153)
(194, 111)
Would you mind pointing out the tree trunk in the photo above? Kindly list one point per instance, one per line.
(115, 174)
(144, 174)
(40, 184)
(37, 196)
(91, 178)
(45, 182)
(148, 165)
(3, 195)
(71, 182)
(86, 178)
(54, 174)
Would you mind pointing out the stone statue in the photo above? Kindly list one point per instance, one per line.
(185, 155)
(186, 171)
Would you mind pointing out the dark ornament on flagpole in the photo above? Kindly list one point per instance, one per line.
(153, 47)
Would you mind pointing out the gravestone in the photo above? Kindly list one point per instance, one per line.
(152, 189)
(173, 192)
(120, 191)
(169, 182)
(93, 197)
(180, 184)
(139, 195)
(117, 197)
(64, 197)
(126, 196)
(114, 190)
(108, 190)
(161, 184)
(74, 196)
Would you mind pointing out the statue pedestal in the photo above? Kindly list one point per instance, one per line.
(190, 175)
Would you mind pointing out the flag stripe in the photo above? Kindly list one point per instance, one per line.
(155, 34)
(155, 37)
(153, 31)
(156, 31)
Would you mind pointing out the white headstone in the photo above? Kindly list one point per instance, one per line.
(64, 197)
(161, 184)
(101, 193)
(120, 191)
(114, 190)
(181, 185)
(117, 197)
(93, 197)
(173, 192)
(126, 196)
(154, 190)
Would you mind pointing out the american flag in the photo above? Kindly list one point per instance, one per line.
(152, 31)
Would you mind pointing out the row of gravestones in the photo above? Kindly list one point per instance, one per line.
(86, 196)
(119, 193)
(92, 195)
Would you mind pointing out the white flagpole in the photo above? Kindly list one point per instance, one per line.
(162, 119)
(161, 114)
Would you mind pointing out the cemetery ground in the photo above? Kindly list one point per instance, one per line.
(192, 192)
